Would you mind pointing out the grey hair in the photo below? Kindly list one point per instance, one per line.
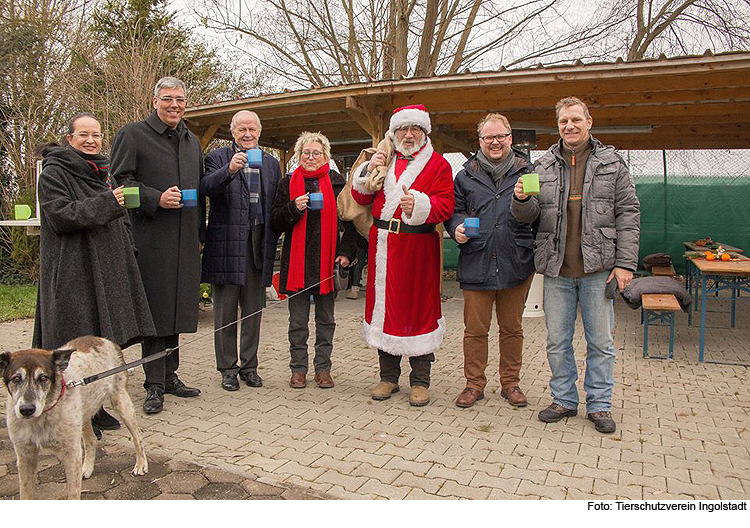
(307, 137)
(168, 82)
(235, 118)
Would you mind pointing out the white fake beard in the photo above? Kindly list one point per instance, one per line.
(408, 151)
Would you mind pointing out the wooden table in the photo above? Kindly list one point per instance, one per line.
(663, 271)
(691, 246)
(724, 275)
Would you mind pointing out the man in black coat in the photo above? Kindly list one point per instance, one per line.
(495, 267)
(162, 157)
(240, 246)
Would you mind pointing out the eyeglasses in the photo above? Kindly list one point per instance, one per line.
(409, 128)
(496, 137)
(86, 135)
(311, 153)
(169, 99)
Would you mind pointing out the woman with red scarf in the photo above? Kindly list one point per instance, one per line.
(312, 244)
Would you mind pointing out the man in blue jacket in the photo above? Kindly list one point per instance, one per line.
(496, 267)
(240, 247)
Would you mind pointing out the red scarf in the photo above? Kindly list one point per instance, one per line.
(328, 231)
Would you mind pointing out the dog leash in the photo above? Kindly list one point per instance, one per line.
(127, 366)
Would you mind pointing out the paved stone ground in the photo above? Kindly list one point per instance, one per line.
(167, 479)
(682, 426)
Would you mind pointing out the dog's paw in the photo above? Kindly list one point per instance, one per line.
(88, 467)
(140, 468)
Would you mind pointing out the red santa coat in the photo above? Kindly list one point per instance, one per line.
(402, 309)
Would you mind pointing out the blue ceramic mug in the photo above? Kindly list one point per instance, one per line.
(254, 158)
(316, 201)
(190, 197)
(471, 226)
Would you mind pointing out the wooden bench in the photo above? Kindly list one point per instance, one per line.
(659, 308)
(663, 271)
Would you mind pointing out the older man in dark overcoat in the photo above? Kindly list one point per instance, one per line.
(240, 246)
(161, 157)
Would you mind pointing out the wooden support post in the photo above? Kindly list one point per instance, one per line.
(439, 146)
(286, 157)
(208, 135)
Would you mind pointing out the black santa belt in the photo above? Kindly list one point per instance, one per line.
(397, 226)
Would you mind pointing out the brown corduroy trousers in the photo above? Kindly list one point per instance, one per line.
(509, 305)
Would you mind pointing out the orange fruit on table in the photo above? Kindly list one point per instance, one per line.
(710, 256)
(707, 253)
(725, 256)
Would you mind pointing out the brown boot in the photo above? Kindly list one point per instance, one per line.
(323, 380)
(353, 293)
(383, 390)
(468, 397)
(514, 396)
(419, 397)
(298, 380)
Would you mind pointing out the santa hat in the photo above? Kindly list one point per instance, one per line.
(410, 115)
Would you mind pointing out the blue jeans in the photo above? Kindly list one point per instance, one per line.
(561, 297)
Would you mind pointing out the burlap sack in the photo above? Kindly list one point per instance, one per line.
(348, 209)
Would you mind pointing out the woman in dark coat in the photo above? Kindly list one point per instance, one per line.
(311, 246)
(89, 281)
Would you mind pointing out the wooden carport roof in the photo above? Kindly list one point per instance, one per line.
(696, 102)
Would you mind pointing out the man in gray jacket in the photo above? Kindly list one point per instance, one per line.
(589, 228)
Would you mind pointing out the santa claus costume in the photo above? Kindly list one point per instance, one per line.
(403, 316)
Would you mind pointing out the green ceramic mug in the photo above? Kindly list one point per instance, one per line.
(132, 197)
(530, 184)
(22, 212)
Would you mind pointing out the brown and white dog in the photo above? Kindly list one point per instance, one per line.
(42, 412)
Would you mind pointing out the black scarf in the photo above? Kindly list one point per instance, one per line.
(99, 164)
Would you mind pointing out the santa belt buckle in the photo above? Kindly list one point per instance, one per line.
(391, 223)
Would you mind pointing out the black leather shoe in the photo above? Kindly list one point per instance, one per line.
(252, 379)
(154, 402)
(177, 388)
(554, 413)
(229, 382)
(104, 421)
(603, 421)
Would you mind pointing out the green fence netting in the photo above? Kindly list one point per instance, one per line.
(689, 208)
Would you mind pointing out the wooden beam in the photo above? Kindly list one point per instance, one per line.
(208, 135)
(448, 139)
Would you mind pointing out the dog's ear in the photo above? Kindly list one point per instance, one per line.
(61, 358)
(4, 362)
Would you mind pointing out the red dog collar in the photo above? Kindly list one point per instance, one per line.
(62, 391)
